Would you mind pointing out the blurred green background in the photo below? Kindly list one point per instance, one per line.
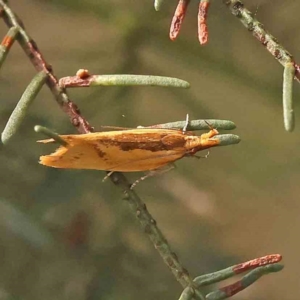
(66, 235)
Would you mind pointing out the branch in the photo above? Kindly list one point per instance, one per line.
(257, 29)
(291, 68)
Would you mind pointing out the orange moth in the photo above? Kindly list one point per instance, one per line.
(127, 150)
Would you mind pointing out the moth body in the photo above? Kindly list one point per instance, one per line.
(127, 150)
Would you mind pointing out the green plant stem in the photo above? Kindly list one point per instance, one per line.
(287, 97)
(158, 4)
(187, 294)
(20, 111)
(226, 139)
(51, 134)
(122, 80)
(196, 125)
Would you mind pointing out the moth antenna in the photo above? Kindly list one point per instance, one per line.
(152, 173)
(112, 128)
(186, 123)
(107, 176)
(209, 125)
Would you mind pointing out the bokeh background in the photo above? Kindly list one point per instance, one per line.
(66, 235)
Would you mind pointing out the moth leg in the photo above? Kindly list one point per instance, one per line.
(199, 156)
(152, 173)
(107, 175)
(186, 123)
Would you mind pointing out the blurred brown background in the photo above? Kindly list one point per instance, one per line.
(66, 235)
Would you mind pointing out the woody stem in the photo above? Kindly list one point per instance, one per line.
(150, 227)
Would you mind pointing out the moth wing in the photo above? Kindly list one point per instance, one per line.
(174, 141)
(147, 163)
(83, 156)
(142, 134)
(103, 151)
(78, 156)
(189, 133)
(154, 150)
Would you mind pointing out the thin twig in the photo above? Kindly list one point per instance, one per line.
(238, 9)
(149, 225)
